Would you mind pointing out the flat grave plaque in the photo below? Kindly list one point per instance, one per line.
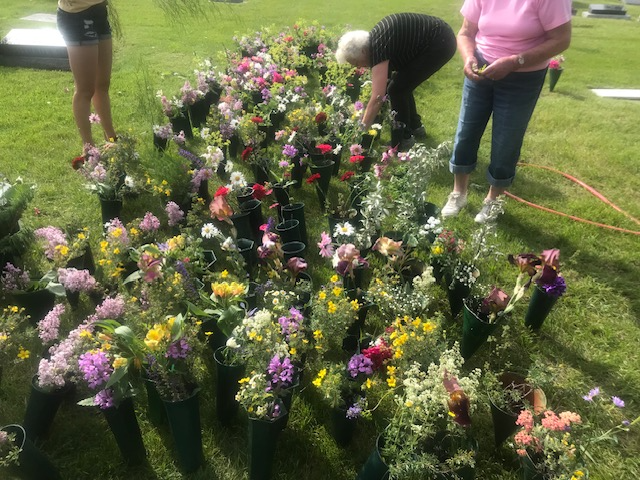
(34, 47)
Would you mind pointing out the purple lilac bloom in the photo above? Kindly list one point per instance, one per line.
(174, 213)
(594, 392)
(178, 349)
(53, 236)
(49, 325)
(358, 105)
(281, 372)
(116, 231)
(104, 399)
(360, 364)
(199, 176)
(112, 307)
(75, 280)
(555, 289)
(289, 150)
(618, 402)
(149, 223)
(95, 367)
(291, 324)
(354, 411)
(14, 278)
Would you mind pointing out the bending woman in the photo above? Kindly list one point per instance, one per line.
(412, 45)
(84, 25)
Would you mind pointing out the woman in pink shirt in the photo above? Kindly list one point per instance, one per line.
(84, 25)
(506, 46)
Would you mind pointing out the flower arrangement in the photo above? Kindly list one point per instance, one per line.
(172, 349)
(556, 62)
(61, 366)
(108, 168)
(427, 432)
(556, 445)
(61, 247)
(341, 385)
(223, 304)
(15, 335)
(9, 451)
(258, 398)
(332, 313)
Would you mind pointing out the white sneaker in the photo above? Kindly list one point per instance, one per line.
(490, 211)
(455, 203)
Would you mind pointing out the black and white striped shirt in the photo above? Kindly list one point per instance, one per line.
(401, 36)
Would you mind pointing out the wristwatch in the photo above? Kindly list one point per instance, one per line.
(520, 60)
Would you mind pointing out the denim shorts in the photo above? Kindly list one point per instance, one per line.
(85, 28)
(511, 101)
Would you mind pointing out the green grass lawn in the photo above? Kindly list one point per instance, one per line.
(590, 339)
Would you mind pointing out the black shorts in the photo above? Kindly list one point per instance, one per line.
(85, 28)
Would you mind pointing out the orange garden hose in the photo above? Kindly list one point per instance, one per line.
(591, 190)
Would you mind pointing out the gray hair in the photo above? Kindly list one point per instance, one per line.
(353, 48)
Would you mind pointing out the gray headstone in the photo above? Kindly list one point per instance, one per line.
(35, 48)
(601, 9)
(41, 17)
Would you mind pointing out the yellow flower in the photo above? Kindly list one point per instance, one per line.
(103, 246)
(408, 403)
(391, 381)
(23, 354)
(318, 380)
(153, 338)
(116, 232)
(82, 236)
(14, 309)
(437, 250)
(120, 362)
(334, 278)
(63, 250)
(373, 132)
(116, 251)
(577, 475)
(292, 351)
(3, 336)
(331, 307)
(134, 231)
(369, 383)
(86, 334)
(243, 380)
(428, 327)
(336, 291)
(224, 274)
(355, 305)
(322, 295)
(317, 335)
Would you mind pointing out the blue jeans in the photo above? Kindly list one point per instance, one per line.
(511, 101)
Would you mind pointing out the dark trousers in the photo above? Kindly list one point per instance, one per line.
(405, 81)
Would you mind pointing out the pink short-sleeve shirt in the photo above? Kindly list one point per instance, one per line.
(510, 27)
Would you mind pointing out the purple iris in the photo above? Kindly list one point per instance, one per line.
(556, 288)
(281, 372)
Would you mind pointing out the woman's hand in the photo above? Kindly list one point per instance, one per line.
(500, 68)
(471, 69)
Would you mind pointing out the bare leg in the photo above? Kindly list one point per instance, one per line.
(461, 183)
(494, 192)
(83, 60)
(101, 100)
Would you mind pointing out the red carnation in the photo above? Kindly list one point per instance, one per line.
(378, 354)
(247, 151)
(356, 158)
(324, 148)
(259, 192)
(221, 192)
(257, 120)
(77, 162)
(347, 175)
(313, 178)
(321, 117)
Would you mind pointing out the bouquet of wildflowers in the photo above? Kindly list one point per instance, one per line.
(172, 349)
(548, 277)
(110, 363)
(331, 316)
(108, 168)
(427, 432)
(15, 335)
(60, 247)
(258, 398)
(224, 304)
(340, 385)
(9, 451)
(61, 365)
